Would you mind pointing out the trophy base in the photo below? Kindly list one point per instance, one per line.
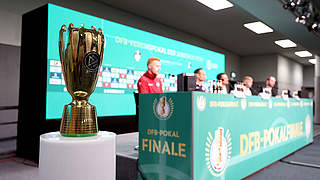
(79, 120)
(79, 135)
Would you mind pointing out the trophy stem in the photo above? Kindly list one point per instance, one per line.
(79, 119)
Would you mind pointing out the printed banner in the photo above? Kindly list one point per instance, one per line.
(234, 137)
(210, 136)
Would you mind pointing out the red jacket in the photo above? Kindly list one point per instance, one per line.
(149, 83)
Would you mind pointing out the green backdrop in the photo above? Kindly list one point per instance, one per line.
(127, 50)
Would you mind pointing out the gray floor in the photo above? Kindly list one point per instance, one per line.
(7, 146)
(303, 164)
(12, 168)
(284, 171)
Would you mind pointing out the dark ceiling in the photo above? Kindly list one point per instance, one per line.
(223, 28)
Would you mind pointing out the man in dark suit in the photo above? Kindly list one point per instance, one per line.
(226, 86)
(270, 86)
(200, 77)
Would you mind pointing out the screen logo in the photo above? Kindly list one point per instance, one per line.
(137, 55)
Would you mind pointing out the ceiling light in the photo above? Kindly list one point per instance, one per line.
(312, 61)
(258, 27)
(303, 53)
(315, 26)
(216, 4)
(286, 43)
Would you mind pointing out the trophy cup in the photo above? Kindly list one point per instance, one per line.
(81, 58)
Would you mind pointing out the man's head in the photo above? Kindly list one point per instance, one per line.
(154, 65)
(200, 74)
(248, 81)
(271, 81)
(224, 78)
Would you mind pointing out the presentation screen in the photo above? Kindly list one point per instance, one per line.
(124, 61)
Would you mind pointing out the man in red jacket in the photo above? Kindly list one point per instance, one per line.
(149, 83)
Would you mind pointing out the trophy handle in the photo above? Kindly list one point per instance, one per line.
(62, 40)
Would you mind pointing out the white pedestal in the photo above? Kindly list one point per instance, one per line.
(85, 158)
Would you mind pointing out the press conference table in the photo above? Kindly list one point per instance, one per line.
(195, 135)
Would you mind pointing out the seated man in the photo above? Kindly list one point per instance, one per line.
(270, 86)
(149, 83)
(201, 76)
(247, 82)
(226, 87)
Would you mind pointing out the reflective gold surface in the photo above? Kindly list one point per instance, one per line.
(81, 57)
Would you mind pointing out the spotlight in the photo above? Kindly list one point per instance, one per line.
(302, 2)
(307, 12)
(291, 4)
(301, 19)
(315, 26)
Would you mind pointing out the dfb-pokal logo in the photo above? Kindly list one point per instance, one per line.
(218, 151)
(163, 108)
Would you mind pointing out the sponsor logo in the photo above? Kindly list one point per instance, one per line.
(308, 126)
(189, 65)
(270, 104)
(201, 103)
(55, 75)
(211, 65)
(243, 104)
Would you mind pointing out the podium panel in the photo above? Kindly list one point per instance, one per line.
(195, 135)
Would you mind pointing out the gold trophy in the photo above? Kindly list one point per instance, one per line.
(81, 59)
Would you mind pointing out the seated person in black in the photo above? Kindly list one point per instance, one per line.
(226, 86)
(200, 77)
(270, 85)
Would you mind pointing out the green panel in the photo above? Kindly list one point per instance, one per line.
(233, 137)
(173, 160)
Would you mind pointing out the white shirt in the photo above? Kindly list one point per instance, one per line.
(268, 89)
(224, 90)
(202, 87)
(247, 91)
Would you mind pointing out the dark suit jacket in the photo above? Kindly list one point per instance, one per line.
(255, 92)
(230, 87)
